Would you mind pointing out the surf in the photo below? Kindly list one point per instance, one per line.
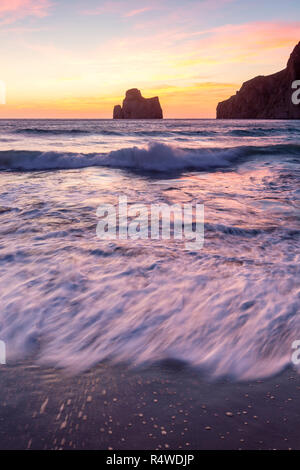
(156, 157)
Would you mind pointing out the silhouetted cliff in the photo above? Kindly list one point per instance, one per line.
(137, 107)
(265, 97)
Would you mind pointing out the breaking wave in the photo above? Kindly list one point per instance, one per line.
(156, 157)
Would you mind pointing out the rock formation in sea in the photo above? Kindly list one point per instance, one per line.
(137, 107)
(266, 97)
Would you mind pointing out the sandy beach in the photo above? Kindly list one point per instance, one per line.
(160, 408)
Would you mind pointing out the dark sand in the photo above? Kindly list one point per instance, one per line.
(158, 408)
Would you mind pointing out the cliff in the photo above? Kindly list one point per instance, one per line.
(137, 107)
(265, 97)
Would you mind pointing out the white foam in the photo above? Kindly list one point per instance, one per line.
(155, 157)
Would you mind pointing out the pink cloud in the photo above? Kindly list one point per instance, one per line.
(251, 39)
(137, 12)
(120, 8)
(13, 10)
(107, 7)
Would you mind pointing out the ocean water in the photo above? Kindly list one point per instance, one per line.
(71, 300)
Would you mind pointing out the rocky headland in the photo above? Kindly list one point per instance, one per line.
(266, 97)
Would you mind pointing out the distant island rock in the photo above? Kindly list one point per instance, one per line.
(137, 107)
(265, 97)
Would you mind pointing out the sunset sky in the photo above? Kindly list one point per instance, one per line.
(76, 58)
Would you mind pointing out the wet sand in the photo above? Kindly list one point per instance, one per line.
(162, 407)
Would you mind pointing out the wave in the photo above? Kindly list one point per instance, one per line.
(261, 132)
(106, 132)
(37, 131)
(254, 132)
(238, 324)
(168, 133)
(258, 132)
(155, 157)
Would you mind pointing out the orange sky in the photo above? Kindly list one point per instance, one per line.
(77, 59)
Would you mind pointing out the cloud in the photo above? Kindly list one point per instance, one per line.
(137, 12)
(262, 43)
(121, 8)
(14, 10)
(260, 34)
(106, 8)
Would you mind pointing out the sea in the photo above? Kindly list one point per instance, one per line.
(72, 300)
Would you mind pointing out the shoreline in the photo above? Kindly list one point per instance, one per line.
(158, 408)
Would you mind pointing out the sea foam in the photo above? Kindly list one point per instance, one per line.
(157, 157)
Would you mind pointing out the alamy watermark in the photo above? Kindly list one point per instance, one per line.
(2, 352)
(2, 92)
(296, 353)
(158, 221)
(296, 94)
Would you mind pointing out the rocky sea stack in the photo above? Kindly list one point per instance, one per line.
(265, 97)
(137, 107)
